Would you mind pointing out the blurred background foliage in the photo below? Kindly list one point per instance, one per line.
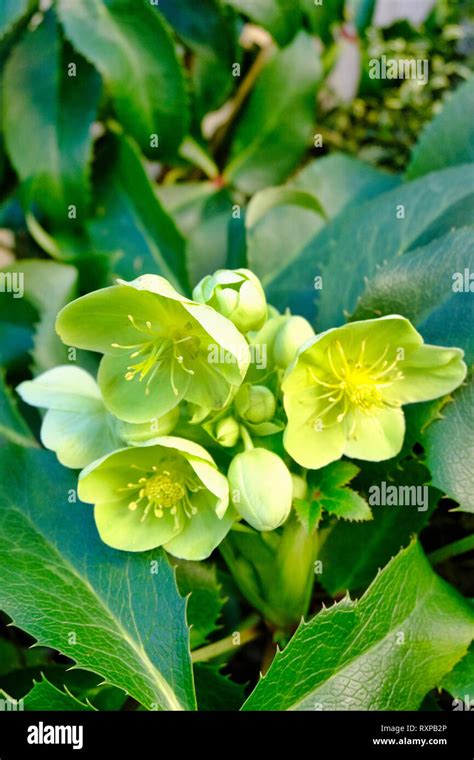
(129, 130)
(179, 137)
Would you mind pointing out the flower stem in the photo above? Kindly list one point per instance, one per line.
(247, 632)
(461, 546)
(248, 443)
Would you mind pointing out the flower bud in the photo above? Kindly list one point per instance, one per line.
(300, 486)
(255, 403)
(236, 294)
(289, 338)
(227, 431)
(261, 488)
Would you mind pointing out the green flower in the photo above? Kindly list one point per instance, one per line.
(237, 294)
(166, 492)
(344, 391)
(77, 426)
(159, 348)
(261, 488)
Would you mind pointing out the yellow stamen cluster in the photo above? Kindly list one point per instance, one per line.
(356, 384)
(163, 487)
(181, 348)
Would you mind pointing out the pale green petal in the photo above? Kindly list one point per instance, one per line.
(393, 331)
(123, 529)
(154, 283)
(101, 480)
(376, 437)
(127, 399)
(77, 426)
(140, 432)
(78, 438)
(214, 481)
(309, 444)
(313, 448)
(208, 388)
(185, 447)
(66, 387)
(428, 373)
(203, 532)
(97, 320)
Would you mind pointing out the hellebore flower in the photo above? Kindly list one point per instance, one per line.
(344, 391)
(261, 488)
(159, 347)
(236, 294)
(166, 492)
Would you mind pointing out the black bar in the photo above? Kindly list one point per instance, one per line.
(131, 734)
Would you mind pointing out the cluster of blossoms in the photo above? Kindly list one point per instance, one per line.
(178, 379)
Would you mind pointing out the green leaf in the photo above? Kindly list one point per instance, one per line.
(352, 554)
(460, 682)
(350, 248)
(334, 182)
(423, 286)
(10, 657)
(216, 692)
(17, 317)
(278, 237)
(38, 276)
(47, 130)
(205, 601)
(347, 504)
(339, 181)
(335, 475)
(448, 140)
(282, 18)
(308, 513)
(210, 31)
(130, 222)
(379, 642)
(361, 11)
(129, 44)
(119, 615)
(322, 16)
(12, 12)
(271, 197)
(12, 425)
(276, 126)
(45, 696)
(202, 213)
(449, 448)
(330, 492)
(207, 245)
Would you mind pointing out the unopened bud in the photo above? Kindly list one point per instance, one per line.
(255, 403)
(264, 487)
(236, 294)
(227, 432)
(289, 338)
